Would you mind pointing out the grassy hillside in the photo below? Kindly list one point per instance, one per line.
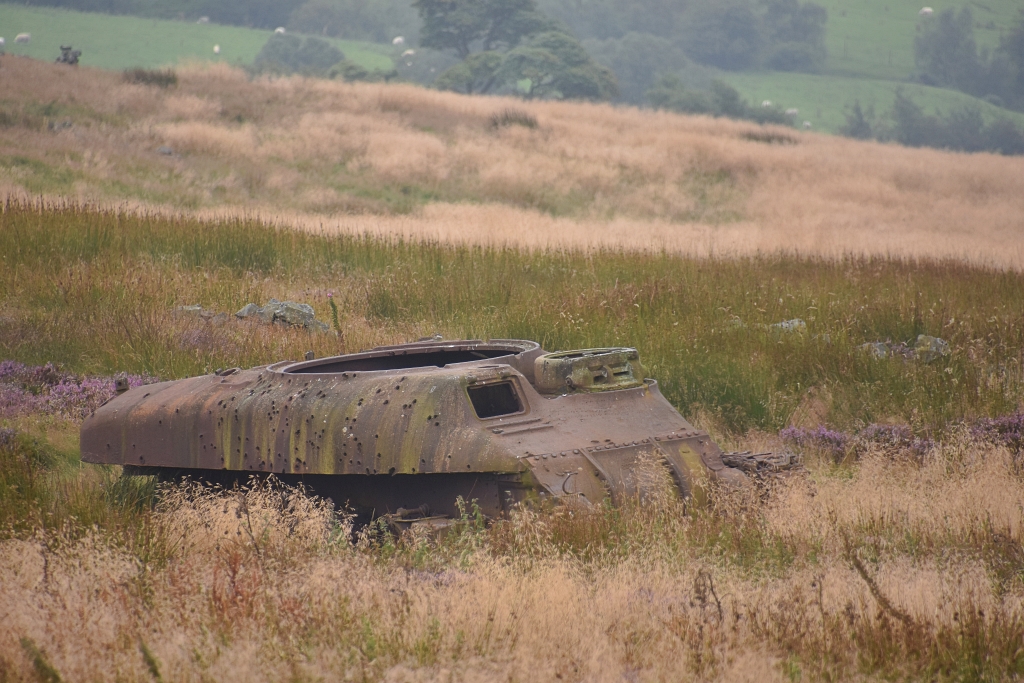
(870, 49)
(870, 53)
(120, 42)
(403, 160)
(824, 99)
(895, 558)
(875, 38)
(693, 319)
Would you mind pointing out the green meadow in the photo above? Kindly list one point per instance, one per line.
(122, 42)
(870, 54)
(95, 292)
(870, 44)
(875, 38)
(824, 100)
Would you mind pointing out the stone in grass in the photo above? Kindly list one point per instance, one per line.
(879, 350)
(735, 323)
(928, 349)
(789, 326)
(268, 311)
(295, 314)
(200, 312)
(247, 311)
(194, 309)
(289, 313)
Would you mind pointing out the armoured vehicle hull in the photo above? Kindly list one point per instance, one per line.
(416, 426)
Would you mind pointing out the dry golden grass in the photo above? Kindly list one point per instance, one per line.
(402, 160)
(264, 585)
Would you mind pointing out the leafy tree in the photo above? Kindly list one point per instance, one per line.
(463, 25)
(508, 45)
(289, 53)
(554, 65)
(1011, 46)
(478, 73)
(913, 127)
(720, 99)
(637, 60)
(725, 34)
(795, 34)
(1004, 137)
(945, 51)
(349, 72)
(963, 129)
(858, 124)
(670, 93)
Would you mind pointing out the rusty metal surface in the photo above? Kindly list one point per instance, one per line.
(416, 416)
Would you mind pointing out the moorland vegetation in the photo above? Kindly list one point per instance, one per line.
(768, 50)
(897, 556)
(401, 160)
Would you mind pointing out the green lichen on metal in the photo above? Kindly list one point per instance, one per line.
(502, 422)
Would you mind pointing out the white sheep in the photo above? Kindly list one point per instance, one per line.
(766, 104)
(399, 40)
(409, 53)
(216, 49)
(807, 124)
(925, 12)
(23, 38)
(279, 31)
(792, 112)
(2, 42)
(203, 20)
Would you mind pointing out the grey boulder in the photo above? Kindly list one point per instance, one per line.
(789, 326)
(248, 311)
(928, 349)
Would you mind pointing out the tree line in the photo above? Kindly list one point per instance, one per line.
(661, 53)
(946, 55)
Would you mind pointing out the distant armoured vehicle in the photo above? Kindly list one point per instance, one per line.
(406, 430)
(68, 55)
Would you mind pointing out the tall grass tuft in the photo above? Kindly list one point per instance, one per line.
(838, 577)
(97, 291)
(511, 116)
(161, 78)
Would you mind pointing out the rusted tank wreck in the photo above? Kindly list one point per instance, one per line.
(415, 426)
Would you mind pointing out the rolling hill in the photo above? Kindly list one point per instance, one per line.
(121, 42)
(407, 161)
(870, 54)
(870, 45)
